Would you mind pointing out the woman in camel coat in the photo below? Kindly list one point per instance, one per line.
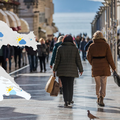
(100, 57)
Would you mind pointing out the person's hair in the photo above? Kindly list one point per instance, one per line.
(60, 39)
(83, 39)
(41, 40)
(68, 38)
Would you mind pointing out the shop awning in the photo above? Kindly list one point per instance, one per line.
(49, 30)
(24, 27)
(53, 29)
(17, 20)
(3, 17)
(56, 28)
(12, 21)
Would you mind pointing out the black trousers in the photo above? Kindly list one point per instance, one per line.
(67, 83)
(2, 60)
(42, 62)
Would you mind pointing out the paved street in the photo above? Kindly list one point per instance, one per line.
(43, 107)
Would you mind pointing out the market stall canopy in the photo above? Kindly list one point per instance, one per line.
(17, 20)
(12, 21)
(53, 29)
(4, 17)
(56, 28)
(24, 26)
(49, 30)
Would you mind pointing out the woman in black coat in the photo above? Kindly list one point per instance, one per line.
(41, 48)
(67, 64)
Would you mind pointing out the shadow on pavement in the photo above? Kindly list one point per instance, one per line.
(8, 112)
(89, 97)
(108, 110)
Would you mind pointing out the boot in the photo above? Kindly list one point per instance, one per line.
(61, 90)
(101, 102)
(98, 99)
(66, 104)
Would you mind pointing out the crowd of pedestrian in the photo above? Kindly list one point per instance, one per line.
(21, 56)
(66, 60)
(68, 65)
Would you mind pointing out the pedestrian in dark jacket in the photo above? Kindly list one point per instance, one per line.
(54, 50)
(67, 64)
(31, 58)
(41, 48)
(47, 50)
(10, 55)
(83, 43)
(87, 45)
(100, 57)
(17, 55)
(4, 54)
(53, 57)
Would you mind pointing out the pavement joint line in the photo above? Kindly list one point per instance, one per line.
(18, 70)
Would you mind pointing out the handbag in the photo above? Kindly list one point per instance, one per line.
(50, 83)
(116, 78)
(55, 90)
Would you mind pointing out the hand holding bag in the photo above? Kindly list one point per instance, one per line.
(116, 78)
(50, 83)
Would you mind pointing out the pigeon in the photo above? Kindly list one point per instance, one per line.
(91, 116)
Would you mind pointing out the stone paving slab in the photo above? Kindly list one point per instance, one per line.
(43, 107)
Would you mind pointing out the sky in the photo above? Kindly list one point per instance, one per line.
(68, 6)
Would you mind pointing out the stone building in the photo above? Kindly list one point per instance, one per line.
(39, 16)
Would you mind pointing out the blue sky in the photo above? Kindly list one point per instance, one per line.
(65, 6)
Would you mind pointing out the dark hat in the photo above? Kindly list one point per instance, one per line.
(68, 38)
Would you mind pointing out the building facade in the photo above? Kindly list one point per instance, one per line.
(39, 16)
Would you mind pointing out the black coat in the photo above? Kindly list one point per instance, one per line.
(83, 43)
(87, 45)
(42, 50)
(67, 62)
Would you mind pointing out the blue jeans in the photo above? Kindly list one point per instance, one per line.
(83, 55)
(31, 62)
(9, 64)
(35, 62)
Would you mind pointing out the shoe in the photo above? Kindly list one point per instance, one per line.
(66, 104)
(61, 90)
(41, 71)
(98, 99)
(70, 102)
(101, 103)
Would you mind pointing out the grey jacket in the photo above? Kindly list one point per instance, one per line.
(68, 62)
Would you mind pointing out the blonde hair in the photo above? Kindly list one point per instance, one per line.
(41, 40)
(60, 39)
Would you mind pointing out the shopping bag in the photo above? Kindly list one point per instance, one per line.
(50, 83)
(55, 90)
(116, 78)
